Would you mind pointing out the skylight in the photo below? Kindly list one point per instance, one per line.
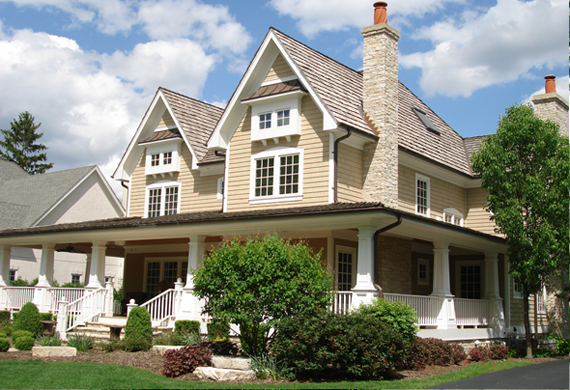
(426, 121)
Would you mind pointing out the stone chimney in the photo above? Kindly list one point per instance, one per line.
(380, 104)
(551, 105)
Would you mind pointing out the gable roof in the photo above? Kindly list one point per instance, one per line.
(10, 171)
(25, 200)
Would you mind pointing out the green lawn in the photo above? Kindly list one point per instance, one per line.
(73, 375)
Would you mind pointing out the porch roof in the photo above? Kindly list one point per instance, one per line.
(331, 216)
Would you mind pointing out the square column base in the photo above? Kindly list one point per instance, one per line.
(446, 318)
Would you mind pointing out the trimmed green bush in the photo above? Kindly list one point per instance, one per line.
(4, 316)
(29, 319)
(138, 331)
(336, 346)
(3, 335)
(396, 315)
(187, 326)
(46, 317)
(218, 330)
(4, 344)
(24, 343)
(20, 333)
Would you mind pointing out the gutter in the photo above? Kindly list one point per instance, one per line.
(375, 259)
(335, 159)
(128, 194)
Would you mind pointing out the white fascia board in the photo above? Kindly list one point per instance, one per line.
(111, 194)
(432, 170)
(126, 165)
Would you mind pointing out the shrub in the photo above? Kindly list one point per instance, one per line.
(6, 327)
(46, 317)
(253, 338)
(498, 352)
(223, 348)
(24, 343)
(138, 331)
(266, 366)
(20, 333)
(328, 345)
(478, 353)
(112, 345)
(19, 282)
(190, 338)
(187, 326)
(3, 335)
(562, 347)
(171, 338)
(49, 341)
(4, 344)
(431, 351)
(80, 342)
(4, 316)
(482, 353)
(218, 330)
(29, 319)
(396, 315)
(185, 360)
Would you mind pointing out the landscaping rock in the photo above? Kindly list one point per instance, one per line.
(161, 349)
(223, 375)
(53, 351)
(231, 363)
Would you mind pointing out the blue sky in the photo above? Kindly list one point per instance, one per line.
(88, 69)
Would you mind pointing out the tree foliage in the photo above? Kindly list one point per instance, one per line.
(260, 282)
(525, 170)
(20, 146)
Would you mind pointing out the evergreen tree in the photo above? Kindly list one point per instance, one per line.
(19, 145)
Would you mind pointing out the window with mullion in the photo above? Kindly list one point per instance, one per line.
(155, 160)
(265, 121)
(170, 273)
(167, 158)
(154, 202)
(421, 196)
(170, 200)
(264, 172)
(289, 174)
(152, 276)
(283, 118)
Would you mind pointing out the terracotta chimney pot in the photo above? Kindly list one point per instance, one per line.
(380, 13)
(550, 83)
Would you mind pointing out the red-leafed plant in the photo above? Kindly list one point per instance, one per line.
(184, 360)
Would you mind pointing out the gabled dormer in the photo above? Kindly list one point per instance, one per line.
(163, 149)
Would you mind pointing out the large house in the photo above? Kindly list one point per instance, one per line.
(352, 162)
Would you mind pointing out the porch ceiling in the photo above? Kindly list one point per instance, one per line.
(333, 216)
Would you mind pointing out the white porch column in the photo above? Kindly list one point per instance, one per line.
(5, 252)
(109, 302)
(97, 270)
(442, 287)
(364, 291)
(87, 268)
(190, 306)
(496, 311)
(45, 278)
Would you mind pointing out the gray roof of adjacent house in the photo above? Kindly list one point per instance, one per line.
(25, 198)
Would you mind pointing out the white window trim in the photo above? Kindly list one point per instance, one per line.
(276, 153)
(273, 104)
(428, 189)
(162, 184)
(349, 250)
(421, 281)
(455, 214)
(162, 260)
(220, 191)
(160, 148)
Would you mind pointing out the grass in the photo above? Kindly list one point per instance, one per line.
(37, 374)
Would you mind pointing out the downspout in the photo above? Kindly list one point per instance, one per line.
(128, 194)
(217, 153)
(375, 257)
(335, 161)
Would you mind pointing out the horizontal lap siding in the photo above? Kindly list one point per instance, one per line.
(349, 174)
(197, 193)
(166, 121)
(279, 70)
(477, 218)
(406, 189)
(313, 141)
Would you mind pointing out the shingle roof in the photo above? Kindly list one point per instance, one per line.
(275, 89)
(198, 119)
(162, 135)
(472, 144)
(25, 199)
(10, 171)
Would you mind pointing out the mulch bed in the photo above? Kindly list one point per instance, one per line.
(152, 362)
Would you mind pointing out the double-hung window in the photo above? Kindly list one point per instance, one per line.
(422, 195)
(452, 216)
(163, 199)
(277, 175)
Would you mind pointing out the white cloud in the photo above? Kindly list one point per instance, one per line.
(495, 47)
(315, 16)
(561, 89)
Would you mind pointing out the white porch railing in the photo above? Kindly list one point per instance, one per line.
(161, 308)
(426, 307)
(341, 302)
(87, 308)
(70, 294)
(471, 312)
(19, 296)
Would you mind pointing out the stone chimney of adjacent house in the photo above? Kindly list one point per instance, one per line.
(380, 104)
(551, 105)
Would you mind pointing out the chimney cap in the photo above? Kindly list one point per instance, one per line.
(380, 13)
(380, 4)
(550, 86)
(550, 76)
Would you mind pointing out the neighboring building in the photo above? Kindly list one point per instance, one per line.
(351, 162)
(72, 195)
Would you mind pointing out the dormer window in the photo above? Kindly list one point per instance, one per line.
(167, 158)
(452, 216)
(155, 160)
(265, 121)
(283, 118)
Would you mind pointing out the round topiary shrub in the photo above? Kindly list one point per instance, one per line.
(187, 326)
(138, 331)
(29, 319)
(4, 344)
(20, 333)
(396, 315)
(24, 343)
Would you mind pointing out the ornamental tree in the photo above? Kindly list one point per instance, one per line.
(260, 282)
(19, 145)
(524, 167)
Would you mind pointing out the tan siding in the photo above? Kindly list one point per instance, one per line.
(279, 70)
(166, 121)
(313, 140)
(477, 218)
(196, 194)
(349, 174)
(406, 189)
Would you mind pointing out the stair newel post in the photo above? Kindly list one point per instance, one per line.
(179, 292)
(109, 299)
(130, 306)
(61, 326)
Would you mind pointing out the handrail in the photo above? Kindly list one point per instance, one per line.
(162, 307)
(86, 308)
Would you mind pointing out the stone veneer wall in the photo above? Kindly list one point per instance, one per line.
(380, 103)
(552, 106)
(394, 265)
